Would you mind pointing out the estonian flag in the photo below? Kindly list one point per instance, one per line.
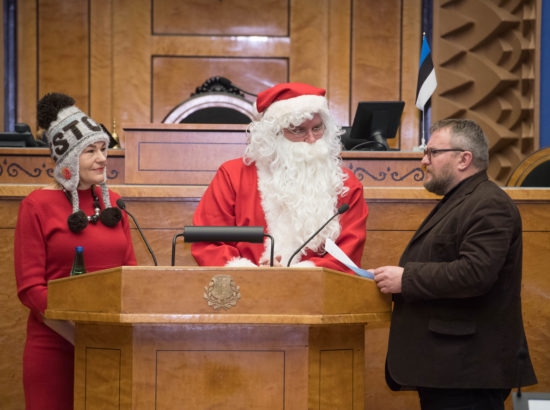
(426, 76)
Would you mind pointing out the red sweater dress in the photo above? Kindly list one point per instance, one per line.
(44, 249)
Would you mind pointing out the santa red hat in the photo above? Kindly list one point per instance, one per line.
(287, 98)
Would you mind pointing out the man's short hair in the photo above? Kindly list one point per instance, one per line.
(467, 135)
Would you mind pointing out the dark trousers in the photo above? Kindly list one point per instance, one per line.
(462, 399)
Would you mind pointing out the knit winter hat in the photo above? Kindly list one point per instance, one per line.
(286, 98)
(69, 131)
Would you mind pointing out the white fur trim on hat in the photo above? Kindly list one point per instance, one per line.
(300, 104)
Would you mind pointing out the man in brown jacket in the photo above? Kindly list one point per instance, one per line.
(456, 331)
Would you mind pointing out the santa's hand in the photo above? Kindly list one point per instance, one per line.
(267, 262)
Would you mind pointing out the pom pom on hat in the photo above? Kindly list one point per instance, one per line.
(291, 97)
(110, 216)
(77, 221)
(69, 131)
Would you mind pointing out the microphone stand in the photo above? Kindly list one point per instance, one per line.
(253, 234)
(120, 203)
(176, 236)
(343, 208)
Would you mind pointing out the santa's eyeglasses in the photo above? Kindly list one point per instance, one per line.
(299, 132)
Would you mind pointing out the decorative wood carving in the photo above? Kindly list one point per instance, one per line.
(215, 92)
(35, 166)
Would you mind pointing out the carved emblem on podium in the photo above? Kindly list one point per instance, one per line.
(222, 292)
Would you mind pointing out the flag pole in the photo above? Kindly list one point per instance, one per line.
(422, 146)
(423, 142)
(425, 87)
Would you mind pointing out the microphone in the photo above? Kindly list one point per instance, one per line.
(120, 203)
(252, 234)
(343, 208)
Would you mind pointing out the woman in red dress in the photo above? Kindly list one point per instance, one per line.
(78, 210)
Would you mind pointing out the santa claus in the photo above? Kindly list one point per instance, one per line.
(290, 181)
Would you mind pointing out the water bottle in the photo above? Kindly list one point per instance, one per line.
(78, 264)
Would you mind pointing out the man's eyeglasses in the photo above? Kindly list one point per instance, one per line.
(299, 132)
(430, 151)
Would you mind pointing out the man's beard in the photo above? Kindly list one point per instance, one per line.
(440, 183)
(299, 189)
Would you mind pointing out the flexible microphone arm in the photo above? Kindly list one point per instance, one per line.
(343, 208)
(120, 203)
(252, 234)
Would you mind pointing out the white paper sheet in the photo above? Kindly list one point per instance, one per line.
(339, 254)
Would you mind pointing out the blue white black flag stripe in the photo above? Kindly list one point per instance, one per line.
(426, 77)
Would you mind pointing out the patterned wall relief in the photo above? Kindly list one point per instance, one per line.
(485, 59)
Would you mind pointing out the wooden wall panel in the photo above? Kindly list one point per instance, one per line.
(377, 24)
(175, 78)
(131, 93)
(27, 86)
(223, 18)
(101, 62)
(339, 53)
(385, 57)
(358, 50)
(308, 50)
(13, 319)
(63, 51)
(113, 47)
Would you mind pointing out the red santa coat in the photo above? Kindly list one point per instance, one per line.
(233, 199)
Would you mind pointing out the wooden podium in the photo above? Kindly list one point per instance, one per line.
(218, 338)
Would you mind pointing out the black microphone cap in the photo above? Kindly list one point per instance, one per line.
(120, 203)
(343, 208)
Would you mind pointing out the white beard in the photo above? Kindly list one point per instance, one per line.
(299, 188)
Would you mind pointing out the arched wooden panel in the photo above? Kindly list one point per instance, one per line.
(533, 171)
(176, 78)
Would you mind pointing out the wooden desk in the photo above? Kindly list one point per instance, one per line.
(266, 338)
(190, 154)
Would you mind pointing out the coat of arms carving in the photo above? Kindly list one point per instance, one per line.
(222, 292)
